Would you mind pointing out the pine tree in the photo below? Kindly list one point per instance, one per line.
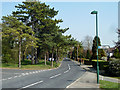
(18, 31)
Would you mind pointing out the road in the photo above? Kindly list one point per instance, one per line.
(66, 74)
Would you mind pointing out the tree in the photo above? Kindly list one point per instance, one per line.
(101, 52)
(88, 55)
(18, 32)
(116, 53)
(87, 43)
(39, 16)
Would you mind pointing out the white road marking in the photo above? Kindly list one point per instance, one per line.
(69, 66)
(4, 79)
(30, 72)
(10, 78)
(15, 76)
(55, 76)
(33, 72)
(19, 75)
(23, 74)
(36, 71)
(66, 71)
(32, 84)
(26, 73)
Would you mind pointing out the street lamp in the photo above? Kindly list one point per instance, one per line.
(95, 12)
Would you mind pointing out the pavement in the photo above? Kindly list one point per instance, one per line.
(89, 78)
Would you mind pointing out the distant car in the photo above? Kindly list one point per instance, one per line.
(50, 59)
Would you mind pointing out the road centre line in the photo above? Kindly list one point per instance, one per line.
(66, 71)
(69, 66)
(55, 76)
(10, 78)
(32, 84)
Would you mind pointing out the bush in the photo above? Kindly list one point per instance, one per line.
(114, 67)
(102, 64)
(87, 62)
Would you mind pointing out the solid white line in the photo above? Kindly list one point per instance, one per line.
(55, 75)
(32, 84)
(69, 66)
(66, 71)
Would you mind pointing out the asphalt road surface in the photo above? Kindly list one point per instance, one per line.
(56, 78)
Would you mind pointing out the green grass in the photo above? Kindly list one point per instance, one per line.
(107, 84)
(86, 59)
(99, 60)
(116, 77)
(27, 65)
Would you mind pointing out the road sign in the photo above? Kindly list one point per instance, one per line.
(104, 47)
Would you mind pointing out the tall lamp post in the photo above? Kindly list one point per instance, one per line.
(95, 12)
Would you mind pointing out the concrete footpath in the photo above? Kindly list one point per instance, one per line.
(89, 78)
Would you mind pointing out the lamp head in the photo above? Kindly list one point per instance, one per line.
(94, 12)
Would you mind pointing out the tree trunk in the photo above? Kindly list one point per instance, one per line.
(52, 56)
(45, 58)
(47, 55)
(32, 55)
(77, 53)
(19, 65)
(23, 55)
(36, 59)
(56, 56)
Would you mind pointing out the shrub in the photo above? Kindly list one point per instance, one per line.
(87, 62)
(102, 64)
(114, 67)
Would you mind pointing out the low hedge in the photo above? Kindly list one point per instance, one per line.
(87, 62)
(102, 64)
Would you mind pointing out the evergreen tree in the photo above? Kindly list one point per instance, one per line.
(18, 32)
(116, 53)
(101, 52)
(88, 55)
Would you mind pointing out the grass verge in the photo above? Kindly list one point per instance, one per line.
(108, 84)
(27, 65)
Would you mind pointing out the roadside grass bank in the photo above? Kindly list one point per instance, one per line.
(26, 64)
(108, 84)
(116, 77)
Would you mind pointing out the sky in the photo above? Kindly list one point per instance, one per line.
(76, 16)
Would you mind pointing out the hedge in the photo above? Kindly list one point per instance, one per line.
(102, 64)
(87, 62)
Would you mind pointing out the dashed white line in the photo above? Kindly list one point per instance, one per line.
(55, 76)
(10, 78)
(15, 76)
(19, 75)
(4, 79)
(32, 84)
